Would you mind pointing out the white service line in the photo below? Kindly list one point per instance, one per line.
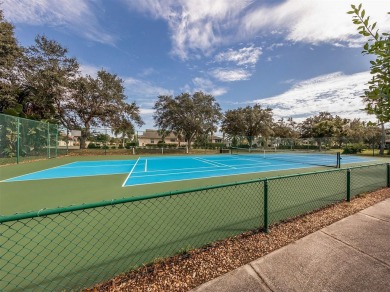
(217, 164)
(131, 171)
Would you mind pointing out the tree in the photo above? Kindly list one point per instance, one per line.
(249, 122)
(377, 96)
(10, 55)
(125, 128)
(339, 129)
(48, 73)
(320, 127)
(356, 131)
(285, 129)
(372, 135)
(99, 101)
(285, 132)
(189, 115)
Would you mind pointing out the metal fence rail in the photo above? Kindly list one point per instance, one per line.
(78, 246)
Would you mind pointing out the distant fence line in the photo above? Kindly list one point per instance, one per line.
(79, 246)
(24, 140)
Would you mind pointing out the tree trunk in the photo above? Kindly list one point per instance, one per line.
(83, 137)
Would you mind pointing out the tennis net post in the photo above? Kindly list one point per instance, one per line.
(338, 162)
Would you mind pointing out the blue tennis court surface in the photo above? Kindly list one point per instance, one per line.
(149, 170)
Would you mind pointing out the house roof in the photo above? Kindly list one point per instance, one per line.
(153, 134)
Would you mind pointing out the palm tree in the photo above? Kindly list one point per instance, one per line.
(125, 129)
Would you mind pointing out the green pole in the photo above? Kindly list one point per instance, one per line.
(67, 140)
(18, 140)
(388, 175)
(266, 206)
(48, 140)
(348, 185)
(338, 160)
(57, 140)
(105, 142)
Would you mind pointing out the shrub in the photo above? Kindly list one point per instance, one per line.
(353, 149)
(93, 146)
(130, 145)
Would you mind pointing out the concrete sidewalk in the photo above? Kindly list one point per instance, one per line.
(350, 255)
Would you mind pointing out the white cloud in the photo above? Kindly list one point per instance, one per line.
(201, 26)
(145, 94)
(195, 25)
(144, 89)
(148, 72)
(78, 15)
(90, 70)
(335, 93)
(244, 56)
(229, 75)
(275, 46)
(314, 21)
(147, 111)
(205, 85)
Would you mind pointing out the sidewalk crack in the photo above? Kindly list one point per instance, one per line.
(356, 249)
(261, 278)
(368, 215)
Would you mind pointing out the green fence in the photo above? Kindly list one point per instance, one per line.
(23, 139)
(78, 246)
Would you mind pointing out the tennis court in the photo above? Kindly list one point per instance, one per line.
(76, 246)
(151, 170)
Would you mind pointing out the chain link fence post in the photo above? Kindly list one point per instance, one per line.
(388, 175)
(18, 141)
(48, 141)
(348, 185)
(266, 206)
(56, 141)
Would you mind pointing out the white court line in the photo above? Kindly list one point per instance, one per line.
(37, 171)
(131, 171)
(217, 164)
(207, 170)
(61, 177)
(180, 169)
(179, 180)
(146, 165)
(98, 166)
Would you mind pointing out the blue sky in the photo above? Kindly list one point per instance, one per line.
(298, 57)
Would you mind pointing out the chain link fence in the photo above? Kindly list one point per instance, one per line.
(23, 139)
(322, 144)
(79, 246)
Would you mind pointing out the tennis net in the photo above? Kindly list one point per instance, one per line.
(293, 156)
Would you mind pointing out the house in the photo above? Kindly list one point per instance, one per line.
(150, 136)
(216, 139)
(70, 141)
